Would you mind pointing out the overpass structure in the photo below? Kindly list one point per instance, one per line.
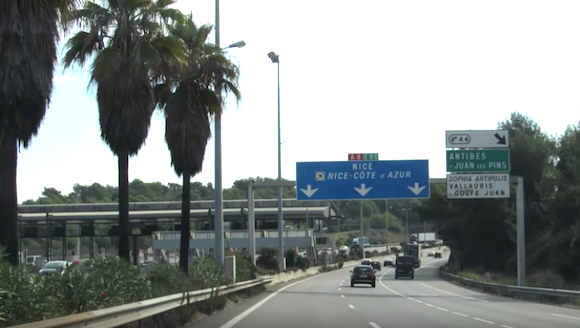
(52, 221)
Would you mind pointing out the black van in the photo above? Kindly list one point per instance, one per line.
(405, 267)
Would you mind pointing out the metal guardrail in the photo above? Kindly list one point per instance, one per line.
(133, 312)
(510, 289)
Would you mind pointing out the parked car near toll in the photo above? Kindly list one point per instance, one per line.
(54, 267)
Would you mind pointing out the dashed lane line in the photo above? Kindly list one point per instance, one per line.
(350, 306)
(486, 321)
(447, 310)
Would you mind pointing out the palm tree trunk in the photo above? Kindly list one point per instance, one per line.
(9, 196)
(124, 205)
(185, 225)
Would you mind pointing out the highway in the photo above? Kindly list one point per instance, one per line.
(327, 300)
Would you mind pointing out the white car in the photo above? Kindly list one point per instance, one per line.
(54, 267)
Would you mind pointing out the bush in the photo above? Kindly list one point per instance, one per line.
(268, 259)
(245, 270)
(27, 297)
(295, 261)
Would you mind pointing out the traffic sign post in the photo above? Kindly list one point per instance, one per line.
(484, 160)
(477, 139)
(471, 178)
(470, 186)
(363, 157)
(406, 179)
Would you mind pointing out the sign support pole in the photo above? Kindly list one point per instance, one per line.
(521, 231)
(251, 216)
(251, 223)
(362, 227)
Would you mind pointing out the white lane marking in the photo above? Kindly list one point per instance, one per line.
(453, 294)
(443, 309)
(256, 306)
(340, 289)
(565, 316)
(481, 320)
(350, 306)
(505, 326)
(342, 296)
(374, 325)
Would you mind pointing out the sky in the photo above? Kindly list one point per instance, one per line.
(387, 77)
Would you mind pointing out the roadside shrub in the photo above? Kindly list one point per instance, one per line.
(356, 252)
(291, 258)
(547, 279)
(26, 297)
(268, 259)
(245, 270)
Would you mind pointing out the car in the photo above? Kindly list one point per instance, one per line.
(388, 262)
(431, 254)
(376, 265)
(54, 267)
(437, 255)
(405, 267)
(363, 274)
(366, 262)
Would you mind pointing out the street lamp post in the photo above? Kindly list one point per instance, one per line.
(276, 60)
(219, 196)
(407, 225)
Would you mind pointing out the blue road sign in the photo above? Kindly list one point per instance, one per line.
(362, 180)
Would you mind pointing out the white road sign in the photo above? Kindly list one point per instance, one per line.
(477, 139)
(478, 186)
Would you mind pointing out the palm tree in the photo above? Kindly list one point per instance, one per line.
(188, 96)
(30, 31)
(126, 39)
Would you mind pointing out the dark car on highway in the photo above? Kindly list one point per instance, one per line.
(389, 262)
(376, 265)
(363, 274)
(405, 267)
(438, 255)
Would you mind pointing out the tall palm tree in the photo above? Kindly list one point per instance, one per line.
(29, 33)
(126, 39)
(189, 98)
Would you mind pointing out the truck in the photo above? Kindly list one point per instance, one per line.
(424, 237)
(413, 250)
(366, 241)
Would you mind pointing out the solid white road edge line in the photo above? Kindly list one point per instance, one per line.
(254, 307)
(453, 294)
(565, 316)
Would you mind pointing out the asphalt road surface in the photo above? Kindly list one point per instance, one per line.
(327, 300)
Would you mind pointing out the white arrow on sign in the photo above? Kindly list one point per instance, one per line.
(309, 191)
(362, 190)
(416, 189)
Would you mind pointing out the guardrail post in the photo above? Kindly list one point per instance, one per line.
(521, 231)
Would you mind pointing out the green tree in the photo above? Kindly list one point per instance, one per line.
(126, 39)
(30, 30)
(188, 96)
